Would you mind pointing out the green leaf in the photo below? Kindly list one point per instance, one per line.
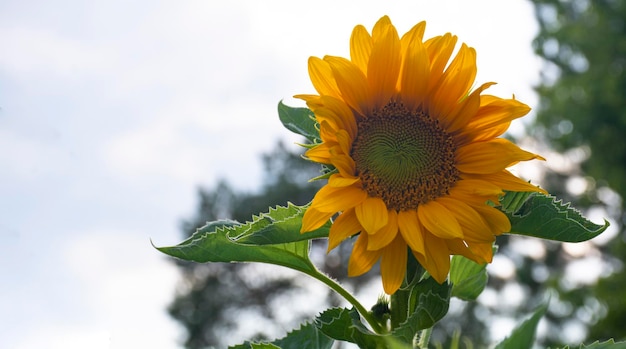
(280, 225)
(272, 237)
(429, 302)
(307, 336)
(249, 345)
(468, 278)
(345, 325)
(523, 336)
(610, 344)
(512, 201)
(300, 121)
(538, 215)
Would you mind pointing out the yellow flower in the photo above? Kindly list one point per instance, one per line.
(416, 152)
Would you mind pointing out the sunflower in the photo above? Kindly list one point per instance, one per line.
(418, 163)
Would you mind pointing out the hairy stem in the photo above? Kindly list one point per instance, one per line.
(424, 338)
(350, 298)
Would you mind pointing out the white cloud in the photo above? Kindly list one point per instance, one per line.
(27, 159)
(54, 336)
(30, 53)
(128, 285)
(195, 144)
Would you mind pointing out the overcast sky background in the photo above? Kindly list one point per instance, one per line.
(112, 113)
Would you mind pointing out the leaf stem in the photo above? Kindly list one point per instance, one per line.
(350, 298)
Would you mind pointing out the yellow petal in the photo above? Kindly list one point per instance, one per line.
(361, 259)
(507, 181)
(472, 223)
(384, 65)
(381, 25)
(437, 261)
(411, 231)
(470, 136)
(360, 47)
(414, 74)
(372, 213)
(343, 227)
(345, 141)
(475, 190)
(415, 33)
(338, 112)
(482, 251)
(352, 83)
(466, 109)
(344, 163)
(386, 234)
(314, 219)
(439, 221)
(309, 99)
(439, 49)
(328, 132)
(320, 153)
(458, 246)
(332, 200)
(322, 77)
(454, 85)
(495, 219)
(337, 180)
(492, 119)
(490, 156)
(495, 110)
(393, 265)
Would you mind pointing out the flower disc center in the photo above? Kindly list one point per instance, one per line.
(404, 157)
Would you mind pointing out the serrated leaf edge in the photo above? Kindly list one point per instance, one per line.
(302, 326)
(246, 227)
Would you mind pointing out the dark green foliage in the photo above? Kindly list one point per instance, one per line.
(586, 43)
(468, 278)
(582, 106)
(609, 344)
(523, 336)
(428, 303)
(273, 237)
(300, 121)
(559, 221)
(345, 325)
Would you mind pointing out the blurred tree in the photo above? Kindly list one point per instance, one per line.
(582, 114)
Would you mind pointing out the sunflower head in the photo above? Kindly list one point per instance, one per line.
(418, 159)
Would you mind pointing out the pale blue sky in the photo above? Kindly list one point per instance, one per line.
(114, 112)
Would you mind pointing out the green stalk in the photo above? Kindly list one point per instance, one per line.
(350, 298)
(424, 338)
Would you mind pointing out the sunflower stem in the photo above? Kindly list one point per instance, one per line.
(424, 338)
(371, 320)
